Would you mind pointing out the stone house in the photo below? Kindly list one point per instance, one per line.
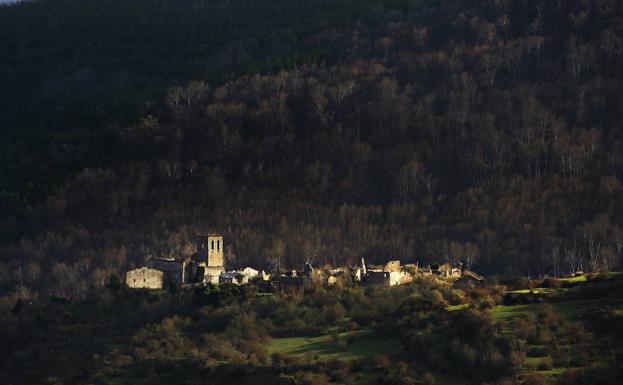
(144, 278)
(250, 273)
(446, 270)
(233, 277)
(339, 279)
(239, 277)
(299, 280)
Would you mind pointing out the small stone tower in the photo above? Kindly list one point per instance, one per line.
(210, 250)
(215, 250)
(209, 257)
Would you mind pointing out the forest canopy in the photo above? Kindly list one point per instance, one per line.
(482, 131)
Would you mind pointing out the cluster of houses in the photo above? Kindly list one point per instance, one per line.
(206, 266)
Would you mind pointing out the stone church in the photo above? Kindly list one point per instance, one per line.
(205, 266)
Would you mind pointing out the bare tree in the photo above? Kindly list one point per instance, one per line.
(276, 252)
(617, 238)
(471, 253)
(573, 260)
(593, 234)
(99, 277)
(554, 258)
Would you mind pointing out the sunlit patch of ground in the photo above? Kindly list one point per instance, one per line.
(347, 346)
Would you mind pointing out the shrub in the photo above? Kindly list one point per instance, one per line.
(535, 379)
(280, 359)
(307, 378)
(513, 282)
(333, 313)
(524, 327)
(579, 358)
(486, 302)
(428, 379)
(552, 283)
(255, 349)
(544, 336)
(561, 358)
(380, 362)
(537, 351)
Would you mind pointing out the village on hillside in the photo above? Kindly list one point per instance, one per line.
(207, 266)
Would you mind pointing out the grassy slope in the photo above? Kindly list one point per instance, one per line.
(570, 309)
(364, 345)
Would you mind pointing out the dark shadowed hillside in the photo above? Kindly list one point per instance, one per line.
(485, 131)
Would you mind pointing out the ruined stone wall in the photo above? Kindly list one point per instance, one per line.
(392, 266)
(377, 278)
(144, 278)
(388, 278)
(399, 278)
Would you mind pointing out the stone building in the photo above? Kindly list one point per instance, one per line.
(389, 275)
(343, 276)
(392, 266)
(446, 270)
(176, 270)
(264, 276)
(210, 257)
(239, 277)
(206, 265)
(144, 278)
(232, 277)
(299, 280)
(388, 278)
(250, 273)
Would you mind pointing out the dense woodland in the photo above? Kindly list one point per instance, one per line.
(426, 130)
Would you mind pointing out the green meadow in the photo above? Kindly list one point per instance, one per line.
(344, 346)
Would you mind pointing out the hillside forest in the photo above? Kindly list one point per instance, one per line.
(487, 132)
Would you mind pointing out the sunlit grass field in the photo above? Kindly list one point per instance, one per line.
(565, 304)
(347, 346)
(363, 345)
